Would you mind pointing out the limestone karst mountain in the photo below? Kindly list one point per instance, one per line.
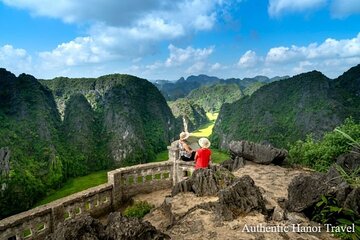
(61, 128)
(285, 111)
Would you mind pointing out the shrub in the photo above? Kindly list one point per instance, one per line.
(138, 209)
(327, 211)
(321, 154)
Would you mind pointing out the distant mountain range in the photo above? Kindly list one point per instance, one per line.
(285, 111)
(173, 90)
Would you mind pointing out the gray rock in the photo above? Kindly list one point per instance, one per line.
(205, 182)
(278, 214)
(263, 154)
(350, 162)
(233, 164)
(353, 201)
(83, 228)
(240, 198)
(306, 190)
(118, 228)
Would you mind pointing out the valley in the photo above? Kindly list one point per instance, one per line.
(61, 136)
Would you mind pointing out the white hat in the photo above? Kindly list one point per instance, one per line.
(184, 135)
(204, 143)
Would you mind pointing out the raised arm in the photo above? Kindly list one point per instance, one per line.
(187, 147)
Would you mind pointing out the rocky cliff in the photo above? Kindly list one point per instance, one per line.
(285, 111)
(189, 113)
(132, 116)
(114, 120)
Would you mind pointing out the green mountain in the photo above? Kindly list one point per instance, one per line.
(182, 87)
(62, 128)
(29, 128)
(132, 115)
(189, 113)
(285, 111)
(173, 90)
(211, 98)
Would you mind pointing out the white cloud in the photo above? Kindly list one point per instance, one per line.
(121, 30)
(15, 59)
(248, 60)
(342, 9)
(330, 48)
(196, 68)
(332, 57)
(82, 50)
(278, 7)
(216, 66)
(179, 56)
(110, 12)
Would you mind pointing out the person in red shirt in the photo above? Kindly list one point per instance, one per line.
(203, 154)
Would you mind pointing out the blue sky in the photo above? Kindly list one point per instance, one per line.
(168, 39)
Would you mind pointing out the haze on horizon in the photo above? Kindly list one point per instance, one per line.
(168, 40)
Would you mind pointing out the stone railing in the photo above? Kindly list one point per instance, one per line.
(123, 183)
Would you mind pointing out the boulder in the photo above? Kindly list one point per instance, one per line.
(262, 154)
(353, 201)
(305, 190)
(205, 182)
(118, 228)
(350, 162)
(83, 228)
(233, 164)
(240, 198)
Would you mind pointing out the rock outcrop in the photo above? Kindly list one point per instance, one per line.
(353, 201)
(306, 190)
(117, 228)
(235, 196)
(233, 164)
(350, 162)
(205, 182)
(240, 198)
(262, 154)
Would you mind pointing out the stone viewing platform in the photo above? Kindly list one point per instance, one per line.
(123, 183)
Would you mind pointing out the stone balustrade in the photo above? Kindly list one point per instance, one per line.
(123, 183)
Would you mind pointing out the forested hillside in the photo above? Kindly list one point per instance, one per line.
(189, 113)
(285, 111)
(64, 127)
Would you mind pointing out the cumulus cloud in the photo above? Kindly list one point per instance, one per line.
(330, 48)
(121, 29)
(278, 7)
(248, 60)
(179, 56)
(15, 59)
(332, 57)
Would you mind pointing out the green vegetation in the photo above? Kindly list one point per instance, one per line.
(211, 98)
(114, 120)
(327, 211)
(321, 154)
(218, 156)
(138, 209)
(76, 185)
(206, 129)
(286, 111)
(187, 110)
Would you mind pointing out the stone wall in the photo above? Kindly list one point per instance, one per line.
(123, 183)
